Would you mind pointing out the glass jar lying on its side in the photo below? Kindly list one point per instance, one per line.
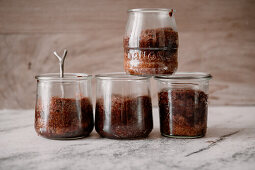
(182, 100)
(63, 106)
(151, 42)
(123, 106)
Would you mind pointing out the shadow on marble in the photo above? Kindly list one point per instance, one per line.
(212, 133)
(155, 134)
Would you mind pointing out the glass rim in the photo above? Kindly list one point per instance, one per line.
(185, 76)
(151, 10)
(67, 76)
(122, 76)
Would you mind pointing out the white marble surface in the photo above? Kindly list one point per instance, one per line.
(229, 144)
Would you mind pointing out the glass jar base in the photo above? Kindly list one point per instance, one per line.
(182, 137)
(149, 72)
(127, 138)
(64, 138)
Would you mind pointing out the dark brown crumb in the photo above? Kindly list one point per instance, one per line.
(171, 13)
(124, 118)
(64, 118)
(157, 52)
(183, 112)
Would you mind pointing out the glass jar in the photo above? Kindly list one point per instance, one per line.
(182, 100)
(150, 42)
(63, 106)
(123, 106)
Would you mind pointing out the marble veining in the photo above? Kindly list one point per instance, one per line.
(213, 143)
(229, 144)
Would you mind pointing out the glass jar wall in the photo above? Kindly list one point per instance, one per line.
(182, 100)
(63, 106)
(150, 42)
(123, 106)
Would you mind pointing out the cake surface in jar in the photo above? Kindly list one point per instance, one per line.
(183, 112)
(64, 118)
(125, 117)
(155, 53)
